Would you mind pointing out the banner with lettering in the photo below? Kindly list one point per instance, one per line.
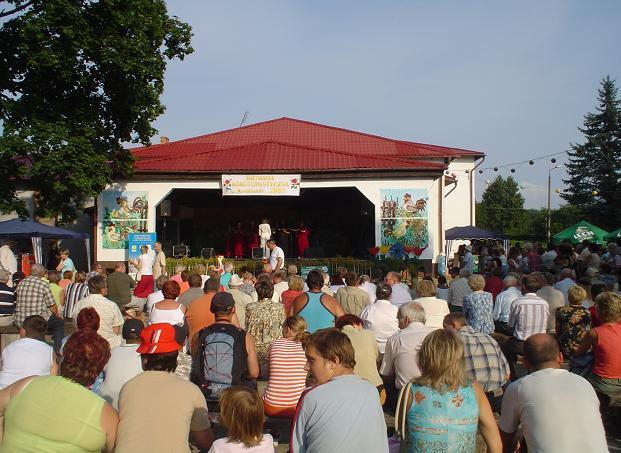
(263, 185)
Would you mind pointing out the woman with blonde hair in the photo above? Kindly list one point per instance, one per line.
(478, 306)
(572, 321)
(286, 373)
(242, 414)
(296, 287)
(435, 309)
(444, 408)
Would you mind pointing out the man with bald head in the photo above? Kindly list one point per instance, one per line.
(400, 292)
(120, 285)
(558, 410)
(566, 280)
(503, 304)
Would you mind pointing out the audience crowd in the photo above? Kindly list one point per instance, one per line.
(522, 348)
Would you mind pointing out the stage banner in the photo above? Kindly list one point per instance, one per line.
(135, 241)
(264, 185)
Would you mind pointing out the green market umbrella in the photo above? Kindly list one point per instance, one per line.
(611, 237)
(577, 233)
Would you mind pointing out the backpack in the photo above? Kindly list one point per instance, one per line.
(221, 359)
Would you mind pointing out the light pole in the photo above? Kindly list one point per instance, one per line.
(549, 206)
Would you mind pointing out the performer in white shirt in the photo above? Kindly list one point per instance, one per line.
(265, 233)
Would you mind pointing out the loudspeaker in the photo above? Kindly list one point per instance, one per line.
(257, 253)
(313, 252)
(166, 208)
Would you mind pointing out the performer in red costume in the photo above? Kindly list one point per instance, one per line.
(239, 239)
(302, 238)
(252, 238)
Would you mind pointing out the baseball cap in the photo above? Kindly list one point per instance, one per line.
(222, 302)
(132, 329)
(158, 339)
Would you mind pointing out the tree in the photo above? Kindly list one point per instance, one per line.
(502, 206)
(78, 79)
(594, 167)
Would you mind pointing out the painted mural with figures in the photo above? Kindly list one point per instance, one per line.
(122, 213)
(404, 219)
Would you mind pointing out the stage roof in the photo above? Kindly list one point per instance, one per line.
(291, 145)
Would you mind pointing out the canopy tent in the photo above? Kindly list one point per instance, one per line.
(613, 236)
(469, 233)
(29, 229)
(577, 233)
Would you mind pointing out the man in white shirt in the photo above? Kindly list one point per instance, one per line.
(8, 262)
(558, 410)
(159, 263)
(469, 259)
(503, 304)
(280, 285)
(553, 297)
(381, 316)
(368, 287)
(277, 256)
(400, 292)
(241, 299)
(157, 296)
(110, 318)
(400, 364)
(547, 259)
(528, 316)
(566, 281)
(124, 363)
(458, 289)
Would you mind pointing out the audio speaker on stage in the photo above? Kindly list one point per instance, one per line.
(166, 208)
(257, 253)
(313, 252)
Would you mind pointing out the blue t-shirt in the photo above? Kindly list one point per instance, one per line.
(343, 415)
(67, 266)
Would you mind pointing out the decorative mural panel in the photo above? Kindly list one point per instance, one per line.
(404, 220)
(122, 213)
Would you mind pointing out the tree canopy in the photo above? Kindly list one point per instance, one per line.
(594, 167)
(78, 79)
(501, 207)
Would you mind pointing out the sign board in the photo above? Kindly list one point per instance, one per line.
(135, 241)
(306, 269)
(264, 185)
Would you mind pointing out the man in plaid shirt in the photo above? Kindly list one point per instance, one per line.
(485, 362)
(34, 297)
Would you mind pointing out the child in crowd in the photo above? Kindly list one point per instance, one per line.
(241, 410)
(53, 278)
(442, 288)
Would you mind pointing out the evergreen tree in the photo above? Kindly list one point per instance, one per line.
(594, 167)
(502, 206)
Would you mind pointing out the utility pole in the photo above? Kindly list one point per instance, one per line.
(549, 204)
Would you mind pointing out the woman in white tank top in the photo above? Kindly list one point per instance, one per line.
(168, 310)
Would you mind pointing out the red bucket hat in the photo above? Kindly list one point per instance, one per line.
(158, 339)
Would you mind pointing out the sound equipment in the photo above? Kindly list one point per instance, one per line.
(180, 250)
(257, 253)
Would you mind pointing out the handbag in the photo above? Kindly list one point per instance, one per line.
(401, 429)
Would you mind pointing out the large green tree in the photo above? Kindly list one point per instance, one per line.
(594, 167)
(78, 79)
(502, 206)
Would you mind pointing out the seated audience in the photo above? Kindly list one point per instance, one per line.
(368, 287)
(295, 285)
(572, 322)
(442, 288)
(155, 297)
(381, 316)
(342, 412)
(199, 314)
(28, 356)
(365, 348)
(124, 363)
(478, 306)
(158, 410)
(400, 291)
(168, 310)
(553, 297)
(53, 278)
(194, 291)
(318, 309)
(264, 319)
(458, 289)
(351, 297)
(566, 281)
(287, 373)
(605, 343)
(248, 286)
(557, 410)
(279, 279)
(73, 293)
(62, 414)
(503, 303)
(110, 318)
(493, 282)
(485, 362)
(7, 300)
(120, 285)
(242, 415)
(444, 407)
(241, 299)
(435, 309)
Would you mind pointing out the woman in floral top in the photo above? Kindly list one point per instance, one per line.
(478, 306)
(572, 321)
(264, 318)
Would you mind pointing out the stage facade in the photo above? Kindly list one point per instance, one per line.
(354, 192)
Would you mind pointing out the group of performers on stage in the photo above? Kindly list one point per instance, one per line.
(242, 239)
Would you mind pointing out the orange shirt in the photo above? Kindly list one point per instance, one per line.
(199, 316)
(184, 286)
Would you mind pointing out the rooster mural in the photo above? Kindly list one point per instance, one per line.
(414, 208)
(406, 223)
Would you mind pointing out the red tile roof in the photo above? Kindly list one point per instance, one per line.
(287, 144)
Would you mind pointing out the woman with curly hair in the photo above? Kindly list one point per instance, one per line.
(62, 414)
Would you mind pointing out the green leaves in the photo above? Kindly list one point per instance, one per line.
(77, 80)
(501, 207)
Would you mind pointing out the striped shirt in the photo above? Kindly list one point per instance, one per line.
(74, 292)
(7, 300)
(287, 378)
(528, 315)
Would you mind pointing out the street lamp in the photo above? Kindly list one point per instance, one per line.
(549, 207)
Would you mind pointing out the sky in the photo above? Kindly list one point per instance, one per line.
(511, 79)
